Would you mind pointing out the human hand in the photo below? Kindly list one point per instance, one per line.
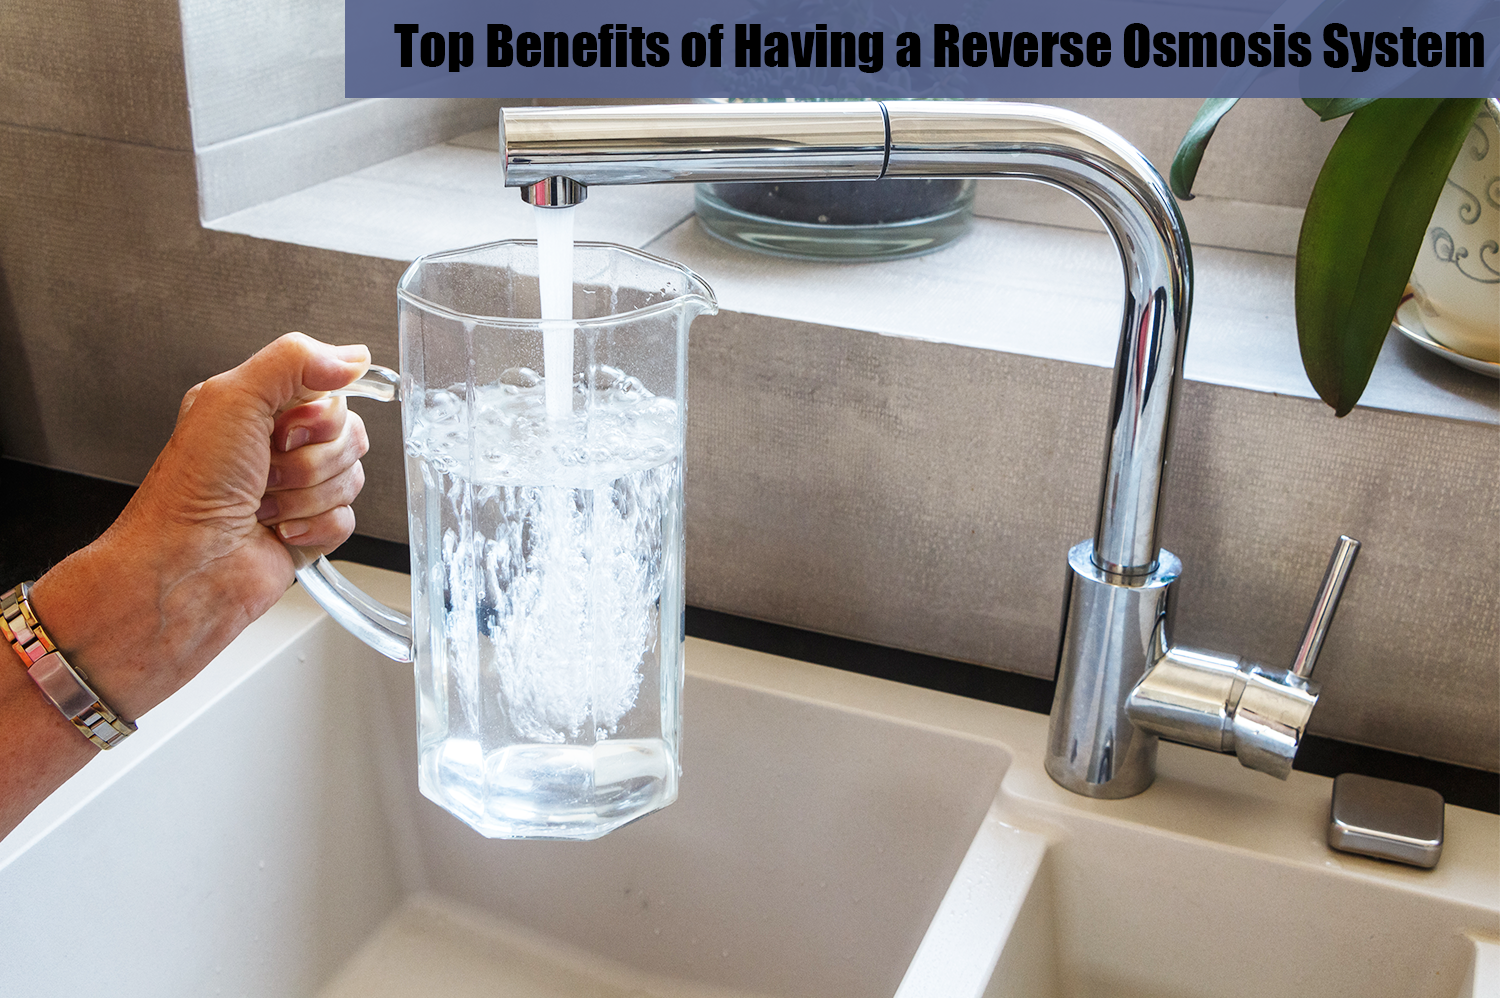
(198, 553)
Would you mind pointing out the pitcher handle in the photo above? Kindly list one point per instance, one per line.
(374, 623)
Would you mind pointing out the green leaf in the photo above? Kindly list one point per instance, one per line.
(1329, 108)
(1190, 152)
(1362, 231)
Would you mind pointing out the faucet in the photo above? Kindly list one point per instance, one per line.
(1121, 684)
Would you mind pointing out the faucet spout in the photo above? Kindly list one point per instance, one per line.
(1120, 576)
(548, 150)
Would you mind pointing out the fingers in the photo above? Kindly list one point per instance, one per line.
(227, 416)
(312, 423)
(294, 365)
(236, 461)
(310, 464)
(323, 532)
(295, 511)
(314, 474)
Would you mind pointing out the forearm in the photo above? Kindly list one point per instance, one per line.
(136, 629)
(39, 748)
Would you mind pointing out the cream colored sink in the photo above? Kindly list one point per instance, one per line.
(266, 837)
(836, 835)
(1215, 883)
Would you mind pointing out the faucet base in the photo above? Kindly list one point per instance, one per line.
(1092, 747)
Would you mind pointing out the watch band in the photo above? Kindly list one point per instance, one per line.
(66, 686)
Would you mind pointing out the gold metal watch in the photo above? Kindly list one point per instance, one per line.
(66, 686)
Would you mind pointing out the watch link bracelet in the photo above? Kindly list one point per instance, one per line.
(65, 685)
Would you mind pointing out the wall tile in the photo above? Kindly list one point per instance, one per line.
(925, 496)
(117, 301)
(264, 165)
(109, 70)
(1266, 150)
(254, 65)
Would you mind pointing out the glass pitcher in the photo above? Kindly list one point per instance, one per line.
(546, 543)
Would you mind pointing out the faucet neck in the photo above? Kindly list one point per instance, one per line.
(553, 154)
(1084, 158)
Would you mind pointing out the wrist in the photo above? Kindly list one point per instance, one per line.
(96, 613)
(63, 683)
(141, 615)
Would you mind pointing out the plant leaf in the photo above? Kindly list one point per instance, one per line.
(1329, 108)
(1190, 151)
(1362, 231)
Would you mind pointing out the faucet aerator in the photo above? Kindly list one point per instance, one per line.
(555, 192)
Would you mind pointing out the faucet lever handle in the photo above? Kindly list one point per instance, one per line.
(1274, 707)
(1222, 703)
(1324, 606)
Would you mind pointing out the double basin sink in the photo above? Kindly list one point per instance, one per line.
(836, 835)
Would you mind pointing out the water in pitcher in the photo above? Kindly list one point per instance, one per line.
(555, 554)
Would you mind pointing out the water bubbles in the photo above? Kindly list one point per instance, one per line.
(606, 377)
(629, 388)
(609, 385)
(615, 423)
(563, 521)
(572, 454)
(520, 377)
(443, 406)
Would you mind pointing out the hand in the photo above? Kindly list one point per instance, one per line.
(196, 555)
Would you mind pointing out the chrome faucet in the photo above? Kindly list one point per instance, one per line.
(1120, 682)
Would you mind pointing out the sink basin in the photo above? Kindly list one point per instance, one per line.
(269, 839)
(1215, 883)
(835, 835)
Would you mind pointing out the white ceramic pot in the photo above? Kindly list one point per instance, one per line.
(1457, 274)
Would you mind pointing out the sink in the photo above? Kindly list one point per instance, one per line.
(1217, 882)
(835, 835)
(269, 839)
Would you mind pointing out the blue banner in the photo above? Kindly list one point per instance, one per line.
(936, 49)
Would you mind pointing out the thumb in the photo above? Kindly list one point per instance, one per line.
(296, 368)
